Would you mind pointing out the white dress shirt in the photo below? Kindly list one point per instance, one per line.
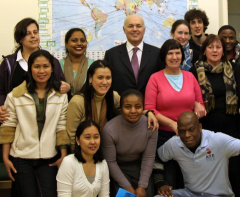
(139, 51)
(22, 62)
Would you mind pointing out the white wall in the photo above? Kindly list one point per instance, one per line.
(12, 11)
(217, 12)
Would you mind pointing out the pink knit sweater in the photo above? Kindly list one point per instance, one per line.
(161, 97)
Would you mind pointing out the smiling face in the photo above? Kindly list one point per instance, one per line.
(101, 80)
(134, 29)
(229, 37)
(214, 53)
(132, 108)
(181, 34)
(77, 44)
(197, 27)
(41, 71)
(173, 59)
(89, 141)
(31, 40)
(190, 131)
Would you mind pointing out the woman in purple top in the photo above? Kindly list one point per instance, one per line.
(129, 148)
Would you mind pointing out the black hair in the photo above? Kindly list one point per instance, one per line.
(224, 27)
(69, 34)
(53, 81)
(180, 22)
(80, 129)
(197, 14)
(20, 31)
(88, 91)
(130, 92)
(209, 40)
(168, 45)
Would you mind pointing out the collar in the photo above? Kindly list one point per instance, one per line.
(98, 98)
(131, 125)
(204, 141)
(22, 89)
(19, 56)
(22, 62)
(130, 46)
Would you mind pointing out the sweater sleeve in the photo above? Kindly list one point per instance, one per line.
(148, 158)
(75, 115)
(65, 178)
(3, 75)
(109, 153)
(7, 130)
(117, 102)
(198, 92)
(151, 95)
(104, 192)
(58, 70)
(62, 136)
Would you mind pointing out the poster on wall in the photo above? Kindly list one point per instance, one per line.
(102, 21)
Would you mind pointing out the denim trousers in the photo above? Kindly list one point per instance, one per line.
(34, 177)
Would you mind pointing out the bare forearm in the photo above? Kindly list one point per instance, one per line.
(6, 151)
(163, 120)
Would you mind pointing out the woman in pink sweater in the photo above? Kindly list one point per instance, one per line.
(171, 92)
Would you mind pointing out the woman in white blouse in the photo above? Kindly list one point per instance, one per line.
(84, 173)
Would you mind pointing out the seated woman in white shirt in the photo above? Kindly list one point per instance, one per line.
(84, 173)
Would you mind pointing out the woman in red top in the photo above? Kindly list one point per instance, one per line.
(171, 92)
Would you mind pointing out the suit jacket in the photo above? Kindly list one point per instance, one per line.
(122, 73)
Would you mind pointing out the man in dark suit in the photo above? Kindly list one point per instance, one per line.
(131, 70)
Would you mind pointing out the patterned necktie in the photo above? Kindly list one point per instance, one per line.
(134, 62)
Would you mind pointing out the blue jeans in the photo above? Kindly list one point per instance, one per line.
(187, 193)
(34, 177)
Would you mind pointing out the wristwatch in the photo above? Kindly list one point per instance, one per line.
(146, 114)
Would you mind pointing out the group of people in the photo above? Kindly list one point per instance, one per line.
(79, 127)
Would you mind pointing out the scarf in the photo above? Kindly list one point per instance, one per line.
(77, 83)
(237, 52)
(186, 65)
(101, 121)
(206, 87)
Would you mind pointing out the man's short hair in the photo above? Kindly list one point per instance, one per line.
(195, 14)
(224, 27)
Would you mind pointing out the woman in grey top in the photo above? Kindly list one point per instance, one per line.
(129, 147)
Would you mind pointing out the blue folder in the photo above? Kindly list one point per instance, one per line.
(124, 193)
